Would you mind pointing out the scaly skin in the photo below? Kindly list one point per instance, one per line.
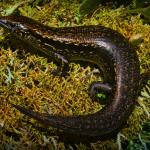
(106, 48)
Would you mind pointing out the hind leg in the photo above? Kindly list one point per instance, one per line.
(99, 90)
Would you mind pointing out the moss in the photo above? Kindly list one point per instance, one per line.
(27, 80)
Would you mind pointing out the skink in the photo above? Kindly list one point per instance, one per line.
(99, 45)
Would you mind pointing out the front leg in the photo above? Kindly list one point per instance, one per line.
(63, 65)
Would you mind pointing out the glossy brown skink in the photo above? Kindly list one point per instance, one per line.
(99, 45)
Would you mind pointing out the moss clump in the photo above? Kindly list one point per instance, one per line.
(26, 79)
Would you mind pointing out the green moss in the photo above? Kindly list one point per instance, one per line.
(27, 81)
